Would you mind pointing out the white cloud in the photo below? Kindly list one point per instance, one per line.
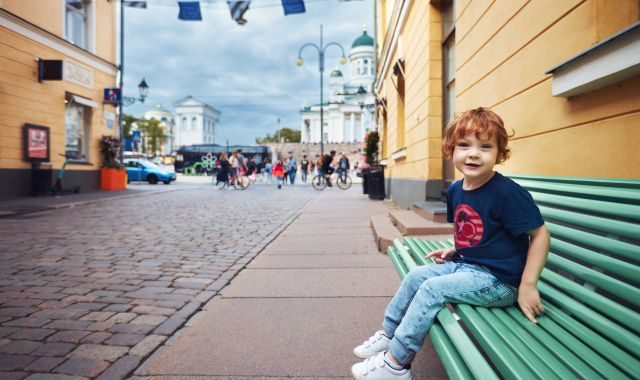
(247, 72)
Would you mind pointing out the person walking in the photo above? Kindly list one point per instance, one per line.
(223, 172)
(278, 172)
(268, 166)
(304, 168)
(292, 169)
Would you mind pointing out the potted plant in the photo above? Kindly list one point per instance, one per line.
(112, 175)
(371, 156)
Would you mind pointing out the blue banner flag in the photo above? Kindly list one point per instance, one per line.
(134, 4)
(189, 11)
(237, 9)
(293, 6)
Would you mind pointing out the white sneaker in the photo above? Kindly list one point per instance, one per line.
(375, 368)
(372, 346)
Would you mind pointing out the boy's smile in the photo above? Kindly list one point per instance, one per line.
(475, 156)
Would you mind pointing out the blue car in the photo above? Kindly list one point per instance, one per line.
(143, 170)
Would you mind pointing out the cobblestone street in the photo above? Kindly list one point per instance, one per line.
(90, 291)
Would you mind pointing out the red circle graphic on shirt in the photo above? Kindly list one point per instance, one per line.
(468, 227)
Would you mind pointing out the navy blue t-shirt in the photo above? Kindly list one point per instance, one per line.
(491, 225)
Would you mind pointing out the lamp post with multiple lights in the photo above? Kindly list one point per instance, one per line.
(321, 55)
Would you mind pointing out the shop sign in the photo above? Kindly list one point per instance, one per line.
(36, 143)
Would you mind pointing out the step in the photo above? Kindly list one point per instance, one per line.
(384, 231)
(435, 211)
(410, 223)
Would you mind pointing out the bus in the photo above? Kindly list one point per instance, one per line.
(189, 155)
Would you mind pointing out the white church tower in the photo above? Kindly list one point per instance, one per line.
(344, 118)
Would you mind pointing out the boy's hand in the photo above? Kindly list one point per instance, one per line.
(443, 254)
(529, 301)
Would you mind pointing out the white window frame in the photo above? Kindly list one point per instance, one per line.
(89, 26)
(83, 125)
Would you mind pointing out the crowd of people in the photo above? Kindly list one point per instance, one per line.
(231, 169)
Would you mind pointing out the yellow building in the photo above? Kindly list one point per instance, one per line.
(564, 76)
(56, 58)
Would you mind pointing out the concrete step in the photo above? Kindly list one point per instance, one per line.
(434, 211)
(410, 223)
(384, 231)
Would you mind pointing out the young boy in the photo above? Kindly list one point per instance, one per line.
(501, 245)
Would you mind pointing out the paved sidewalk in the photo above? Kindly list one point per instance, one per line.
(298, 309)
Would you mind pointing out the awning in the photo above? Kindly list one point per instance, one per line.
(83, 101)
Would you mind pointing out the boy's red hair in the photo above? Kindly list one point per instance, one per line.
(477, 121)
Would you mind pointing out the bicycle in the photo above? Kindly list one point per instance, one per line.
(57, 187)
(241, 181)
(342, 180)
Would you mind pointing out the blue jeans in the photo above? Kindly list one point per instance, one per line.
(292, 176)
(426, 289)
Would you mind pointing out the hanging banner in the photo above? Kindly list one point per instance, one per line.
(293, 6)
(189, 11)
(237, 9)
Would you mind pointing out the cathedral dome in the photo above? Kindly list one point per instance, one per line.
(336, 73)
(363, 40)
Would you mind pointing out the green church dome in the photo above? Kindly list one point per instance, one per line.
(336, 73)
(363, 40)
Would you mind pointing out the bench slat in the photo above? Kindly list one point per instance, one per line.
(397, 262)
(451, 359)
(617, 195)
(597, 301)
(470, 354)
(606, 327)
(591, 181)
(602, 281)
(598, 363)
(609, 264)
(628, 230)
(503, 329)
(613, 353)
(552, 345)
(501, 356)
(611, 209)
(614, 247)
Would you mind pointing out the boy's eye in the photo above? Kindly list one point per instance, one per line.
(462, 144)
(487, 146)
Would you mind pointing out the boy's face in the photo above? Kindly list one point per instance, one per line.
(475, 156)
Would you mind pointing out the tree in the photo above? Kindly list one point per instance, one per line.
(127, 125)
(153, 135)
(285, 134)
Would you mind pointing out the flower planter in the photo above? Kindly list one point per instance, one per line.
(113, 179)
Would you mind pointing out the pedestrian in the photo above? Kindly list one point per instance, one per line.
(304, 168)
(234, 163)
(222, 177)
(292, 169)
(251, 169)
(278, 172)
(343, 165)
(501, 245)
(285, 168)
(267, 171)
(319, 164)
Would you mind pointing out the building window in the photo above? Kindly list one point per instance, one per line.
(448, 75)
(194, 124)
(77, 118)
(76, 17)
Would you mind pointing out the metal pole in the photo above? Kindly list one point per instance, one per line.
(321, 66)
(120, 115)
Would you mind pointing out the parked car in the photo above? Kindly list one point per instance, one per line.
(143, 170)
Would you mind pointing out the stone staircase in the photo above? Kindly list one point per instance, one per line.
(425, 219)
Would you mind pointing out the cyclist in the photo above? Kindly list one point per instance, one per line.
(327, 166)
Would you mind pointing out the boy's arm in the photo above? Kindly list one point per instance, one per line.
(528, 295)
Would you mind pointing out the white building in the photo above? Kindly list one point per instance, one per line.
(195, 122)
(345, 121)
(166, 120)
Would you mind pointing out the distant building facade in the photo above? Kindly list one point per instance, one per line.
(167, 121)
(195, 122)
(345, 121)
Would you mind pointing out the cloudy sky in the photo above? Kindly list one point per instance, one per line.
(247, 72)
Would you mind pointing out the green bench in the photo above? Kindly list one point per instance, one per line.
(589, 288)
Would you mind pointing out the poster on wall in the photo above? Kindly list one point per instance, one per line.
(36, 143)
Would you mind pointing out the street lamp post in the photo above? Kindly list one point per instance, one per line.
(321, 51)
